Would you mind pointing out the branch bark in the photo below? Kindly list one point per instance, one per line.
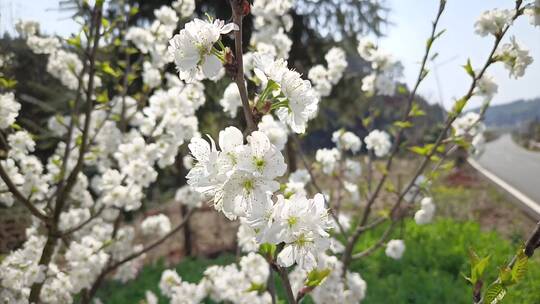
(237, 15)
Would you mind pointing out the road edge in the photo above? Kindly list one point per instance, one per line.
(528, 204)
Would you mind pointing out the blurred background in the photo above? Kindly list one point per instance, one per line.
(490, 202)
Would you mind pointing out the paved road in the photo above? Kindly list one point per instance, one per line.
(514, 164)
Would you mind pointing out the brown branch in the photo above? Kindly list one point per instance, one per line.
(237, 15)
(53, 236)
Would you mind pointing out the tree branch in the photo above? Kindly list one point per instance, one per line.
(237, 16)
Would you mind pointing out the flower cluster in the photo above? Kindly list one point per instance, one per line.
(9, 110)
(232, 284)
(271, 24)
(493, 21)
(297, 99)
(395, 249)
(156, 225)
(468, 124)
(385, 69)
(346, 140)
(534, 13)
(240, 175)
(336, 287)
(379, 142)
(515, 58)
(193, 48)
(324, 78)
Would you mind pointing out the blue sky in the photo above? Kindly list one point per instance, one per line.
(412, 25)
(405, 38)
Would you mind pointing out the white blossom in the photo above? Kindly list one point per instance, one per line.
(395, 249)
(379, 142)
(231, 100)
(275, 130)
(192, 49)
(346, 140)
(328, 158)
(493, 21)
(156, 225)
(515, 58)
(9, 110)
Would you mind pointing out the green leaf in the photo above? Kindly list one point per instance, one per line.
(419, 150)
(402, 90)
(468, 68)
(75, 41)
(416, 111)
(103, 97)
(133, 10)
(7, 83)
(505, 276)
(520, 266)
(106, 68)
(403, 124)
(259, 288)
(458, 106)
(268, 250)
(316, 277)
(478, 265)
(494, 294)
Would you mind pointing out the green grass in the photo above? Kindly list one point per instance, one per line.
(434, 261)
(429, 272)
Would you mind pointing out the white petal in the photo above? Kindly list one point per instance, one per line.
(286, 256)
(229, 27)
(211, 65)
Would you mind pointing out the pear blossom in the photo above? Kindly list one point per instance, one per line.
(142, 38)
(425, 214)
(515, 58)
(328, 158)
(487, 87)
(27, 28)
(346, 140)
(379, 142)
(395, 249)
(467, 124)
(493, 21)
(302, 101)
(43, 45)
(231, 100)
(166, 15)
(192, 49)
(275, 130)
(156, 225)
(534, 13)
(184, 7)
(9, 110)
(302, 224)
